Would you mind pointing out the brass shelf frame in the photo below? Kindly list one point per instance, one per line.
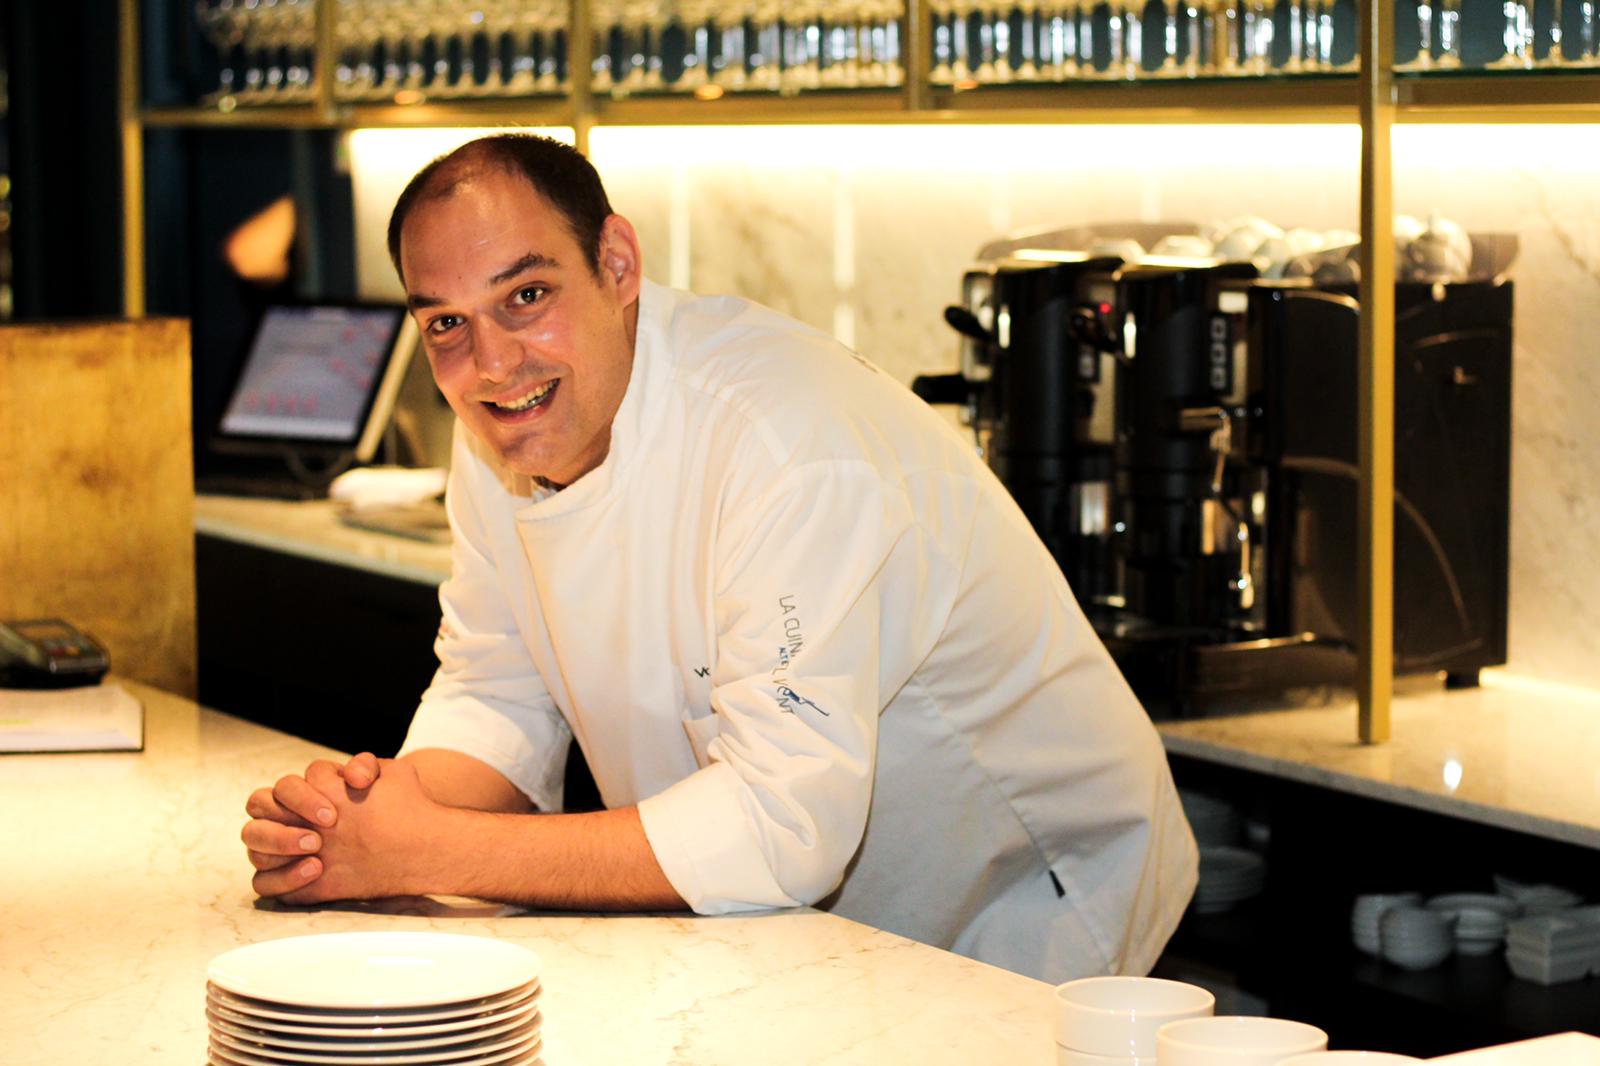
(1376, 97)
(1431, 98)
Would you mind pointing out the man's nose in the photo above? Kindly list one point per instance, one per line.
(498, 352)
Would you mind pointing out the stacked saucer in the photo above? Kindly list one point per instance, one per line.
(1481, 919)
(1214, 822)
(1368, 912)
(1552, 948)
(375, 999)
(1228, 876)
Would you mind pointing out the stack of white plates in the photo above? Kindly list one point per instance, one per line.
(1227, 876)
(1368, 911)
(365, 999)
(1416, 938)
(1481, 919)
(1216, 823)
(1551, 948)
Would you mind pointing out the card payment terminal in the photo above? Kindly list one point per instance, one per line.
(49, 653)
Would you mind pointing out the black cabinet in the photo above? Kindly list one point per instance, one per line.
(1291, 946)
(334, 654)
(330, 653)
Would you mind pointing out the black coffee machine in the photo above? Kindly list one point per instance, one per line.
(1182, 434)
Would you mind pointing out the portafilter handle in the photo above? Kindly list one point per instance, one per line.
(966, 323)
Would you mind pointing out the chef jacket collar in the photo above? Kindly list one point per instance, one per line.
(637, 413)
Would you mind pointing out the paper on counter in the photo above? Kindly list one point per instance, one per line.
(102, 717)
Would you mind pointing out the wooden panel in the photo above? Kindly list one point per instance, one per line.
(97, 489)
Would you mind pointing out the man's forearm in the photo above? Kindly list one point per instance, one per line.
(458, 780)
(490, 847)
(593, 861)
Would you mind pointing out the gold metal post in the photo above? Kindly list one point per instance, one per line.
(580, 73)
(326, 62)
(916, 54)
(1375, 450)
(132, 135)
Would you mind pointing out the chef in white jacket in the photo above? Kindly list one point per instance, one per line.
(811, 650)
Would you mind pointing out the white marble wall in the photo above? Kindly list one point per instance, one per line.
(866, 230)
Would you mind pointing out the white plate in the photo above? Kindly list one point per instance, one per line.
(377, 971)
(524, 1051)
(531, 1058)
(377, 1039)
(469, 1048)
(455, 1016)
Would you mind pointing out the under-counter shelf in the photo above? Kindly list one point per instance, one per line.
(1515, 754)
(1291, 947)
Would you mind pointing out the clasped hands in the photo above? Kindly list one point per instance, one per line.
(338, 832)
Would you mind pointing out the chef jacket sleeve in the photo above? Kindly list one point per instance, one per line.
(487, 699)
(819, 590)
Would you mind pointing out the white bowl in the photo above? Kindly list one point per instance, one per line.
(1455, 902)
(1348, 1058)
(1119, 1016)
(1229, 1040)
(1378, 902)
(1065, 1056)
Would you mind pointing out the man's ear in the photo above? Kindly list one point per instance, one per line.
(621, 264)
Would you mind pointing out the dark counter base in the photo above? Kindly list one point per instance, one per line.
(335, 655)
(1291, 946)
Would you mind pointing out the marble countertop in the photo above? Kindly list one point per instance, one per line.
(124, 876)
(1515, 753)
(1563, 1049)
(312, 529)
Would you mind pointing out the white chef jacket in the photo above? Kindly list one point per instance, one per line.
(798, 622)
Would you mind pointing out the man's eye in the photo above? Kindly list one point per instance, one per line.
(529, 294)
(443, 324)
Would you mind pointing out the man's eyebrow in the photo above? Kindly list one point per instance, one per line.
(527, 262)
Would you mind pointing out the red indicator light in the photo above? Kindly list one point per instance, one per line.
(1105, 309)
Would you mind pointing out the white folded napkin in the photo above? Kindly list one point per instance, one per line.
(386, 486)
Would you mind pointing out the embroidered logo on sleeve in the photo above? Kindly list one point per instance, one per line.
(793, 641)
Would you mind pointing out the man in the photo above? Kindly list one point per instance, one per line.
(811, 650)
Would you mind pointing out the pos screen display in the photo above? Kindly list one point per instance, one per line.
(319, 379)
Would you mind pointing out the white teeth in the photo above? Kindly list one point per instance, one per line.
(522, 403)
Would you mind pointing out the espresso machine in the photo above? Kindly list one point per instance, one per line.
(1182, 434)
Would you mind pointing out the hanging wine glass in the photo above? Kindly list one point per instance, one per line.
(1516, 35)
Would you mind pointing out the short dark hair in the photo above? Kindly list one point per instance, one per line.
(558, 172)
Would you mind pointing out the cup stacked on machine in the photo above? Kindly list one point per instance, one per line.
(362, 999)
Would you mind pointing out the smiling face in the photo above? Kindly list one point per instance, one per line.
(531, 347)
